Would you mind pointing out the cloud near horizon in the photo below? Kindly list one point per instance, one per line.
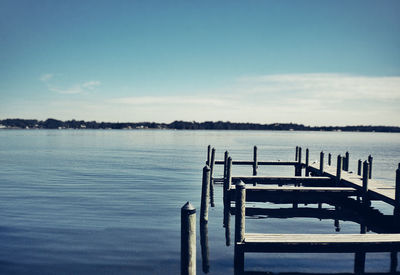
(79, 88)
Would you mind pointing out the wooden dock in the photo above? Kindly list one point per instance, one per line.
(318, 182)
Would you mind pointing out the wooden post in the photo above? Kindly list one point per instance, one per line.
(211, 177)
(255, 163)
(393, 262)
(397, 194)
(205, 194)
(339, 168)
(370, 158)
(227, 182)
(321, 162)
(226, 154)
(208, 155)
(307, 162)
(188, 239)
(346, 168)
(365, 177)
(205, 251)
(298, 167)
(239, 226)
(359, 167)
(329, 159)
(297, 153)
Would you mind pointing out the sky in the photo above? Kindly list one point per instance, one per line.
(309, 62)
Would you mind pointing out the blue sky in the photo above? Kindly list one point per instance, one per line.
(312, 62)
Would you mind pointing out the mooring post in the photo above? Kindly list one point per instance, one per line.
(359, 167)
(307, 172)
(298, 167)
(205, 251)
(297, 153)
(321, 162)
(365, 177)
(205, 194)
(208, 155)
(370, 158)
(228, 182)
(397, 194)
(255, 163)
(239, 226)
(339, 168)
(188, 239)
(329, 159)
(347, 157)
(226, 154)
(211, 177)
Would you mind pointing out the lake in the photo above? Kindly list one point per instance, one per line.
(108, 202)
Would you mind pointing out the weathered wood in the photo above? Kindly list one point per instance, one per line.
(285, 180)
(239, 227)
(339, 168)
(346, 161)
(263, 163)
(188, 239)
(365, 177)
(211, 177)
(255, 165)
(208, 155)
(370, 158)
(317, 243)
(205, 194)
(307, 172)
(397, 191)
(205, 251)
(321, 163)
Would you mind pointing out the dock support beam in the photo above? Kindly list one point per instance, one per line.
(188, 239)
(370, 158)
(211, 177)
(339, 168)
(255, 164)
(205, 194)
(307, 172)
(397, 192)
(321, 163)
(239, 226)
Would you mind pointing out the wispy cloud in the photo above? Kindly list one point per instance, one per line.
(79, 88)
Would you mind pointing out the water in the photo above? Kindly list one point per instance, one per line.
(108, 202)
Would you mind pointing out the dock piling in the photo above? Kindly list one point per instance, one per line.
(298, 167)
(346, 162)
(255, 164)
(208, 155)
(321, 162)
(339, 168)
(188, 239)
(307, 172)
(239, 226)
(397, 192)
(359, 167)
(211, 177)
(205, 194)
(365, 177)
(297, 153)
(329, 159)
(370, 158)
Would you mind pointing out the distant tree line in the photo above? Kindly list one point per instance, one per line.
(184, 125)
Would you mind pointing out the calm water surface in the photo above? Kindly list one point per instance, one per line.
(108, 202)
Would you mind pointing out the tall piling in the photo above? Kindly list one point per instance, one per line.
(208, 155)
(212, 177)
(339, 168)
(240, 201)
(359, 167)
(205, 194)
(307, 172)
(329, 159)
(321, 162)
(397, 192)
(188, 239)
(255, 163)
(370, 158)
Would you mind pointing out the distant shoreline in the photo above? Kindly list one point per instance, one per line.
(185, 125)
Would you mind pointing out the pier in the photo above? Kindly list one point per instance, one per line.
(350, 193)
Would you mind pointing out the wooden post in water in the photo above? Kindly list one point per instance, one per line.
(397, 194)
(329, 159)
(359, 167)
(365, 177)
(226, 154)
(321, 162)
(307, 172)
(346, 162)
(205, 194)
(227, 182)
(255, 163)
(208, 155)
(211, 177)
(298, 167)
(370, 158)
(339, 168)
(188, 239)
(239, 226)
(297, 153)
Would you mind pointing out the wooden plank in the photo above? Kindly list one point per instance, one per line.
(285, 180)
(326, 243)
(376, 190)
(250, 162)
